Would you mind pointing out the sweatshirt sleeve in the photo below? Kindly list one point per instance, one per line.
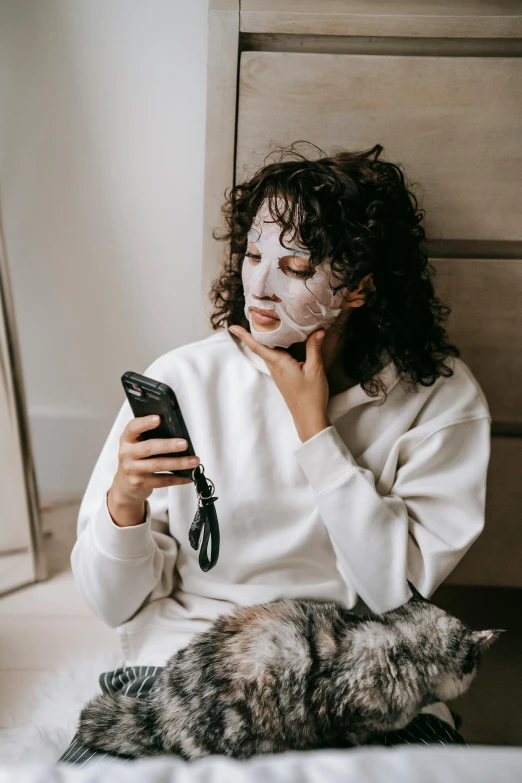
(421, 529)
(117, 569)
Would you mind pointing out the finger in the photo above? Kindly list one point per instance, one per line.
(166, 481)
(162, 464)
(138, 425)
(147, 448)
(314, 356)
(266, 353)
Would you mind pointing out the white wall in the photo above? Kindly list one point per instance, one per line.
(102, 116)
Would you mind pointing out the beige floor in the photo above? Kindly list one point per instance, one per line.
(42, 625)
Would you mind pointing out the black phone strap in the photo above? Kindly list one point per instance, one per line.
(205, 522)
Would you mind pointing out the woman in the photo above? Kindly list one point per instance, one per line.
(347, 442)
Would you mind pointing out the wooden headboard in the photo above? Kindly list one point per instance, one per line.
(441, 90)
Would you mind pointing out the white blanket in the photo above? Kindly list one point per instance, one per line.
(401, 764)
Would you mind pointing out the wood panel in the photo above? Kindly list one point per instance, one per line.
(467, 18)
(452, 122)
(384, 44)
(494, 558)
(223, 35)
(486, 324)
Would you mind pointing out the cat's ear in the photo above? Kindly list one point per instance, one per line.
(484, 639)
(416, 596)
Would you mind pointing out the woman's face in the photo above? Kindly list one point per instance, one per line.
(295, 297)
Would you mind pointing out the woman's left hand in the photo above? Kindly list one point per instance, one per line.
(303, 385)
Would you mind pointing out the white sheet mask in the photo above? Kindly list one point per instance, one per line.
(306, 304)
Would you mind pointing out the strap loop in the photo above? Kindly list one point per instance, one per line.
(205, 521)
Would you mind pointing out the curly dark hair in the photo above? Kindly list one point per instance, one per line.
(356, 210)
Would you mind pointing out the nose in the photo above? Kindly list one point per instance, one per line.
(259, 288)
(259, 280)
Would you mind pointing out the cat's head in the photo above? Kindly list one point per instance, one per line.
(456, 649)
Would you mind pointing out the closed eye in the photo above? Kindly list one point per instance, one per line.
(295, 273)
(284, 266)
(301, 275)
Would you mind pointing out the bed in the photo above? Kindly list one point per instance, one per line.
(408, 764)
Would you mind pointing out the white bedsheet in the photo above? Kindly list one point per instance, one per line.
(411, 764)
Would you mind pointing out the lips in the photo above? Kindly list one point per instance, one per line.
(265, 313)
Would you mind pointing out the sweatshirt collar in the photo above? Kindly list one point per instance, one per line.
(350, 398)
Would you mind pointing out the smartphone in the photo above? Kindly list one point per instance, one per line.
(148, 397)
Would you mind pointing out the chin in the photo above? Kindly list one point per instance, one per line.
(264, 327)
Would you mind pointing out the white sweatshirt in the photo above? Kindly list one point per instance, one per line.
(388, 492)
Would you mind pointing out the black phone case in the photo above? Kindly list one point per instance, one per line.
(148, 397)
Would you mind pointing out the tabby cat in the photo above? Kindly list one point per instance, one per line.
(292, 674)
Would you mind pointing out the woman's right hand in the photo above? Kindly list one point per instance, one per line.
(135, 479)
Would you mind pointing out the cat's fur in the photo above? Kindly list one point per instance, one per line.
(292, 674)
